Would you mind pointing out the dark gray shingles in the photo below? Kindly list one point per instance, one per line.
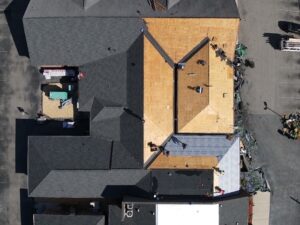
(133, 8)
(234, 211)
(105, 81)
(114, 215)
(116, 80)
(89, 183)
(43, 219)
(184, 182)
(78, 40)
(65, 153)
(126, 132)
(145, 216)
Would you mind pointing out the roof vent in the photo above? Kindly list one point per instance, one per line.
(162, 5)
(88, 3)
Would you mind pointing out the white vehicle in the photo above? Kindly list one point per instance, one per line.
(290, 44)
(48, 73)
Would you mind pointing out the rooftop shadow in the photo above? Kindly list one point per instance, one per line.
(14, 14)
(26, 208)
(30, 127)
(274, 39)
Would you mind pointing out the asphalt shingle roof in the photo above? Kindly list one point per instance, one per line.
(133, 8)
(43, 219)
(75, 41)
(89, 183)
(234, 211)
(114, 81)
(48, 153)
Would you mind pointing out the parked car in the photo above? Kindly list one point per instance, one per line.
(289, 27)
(290, 44)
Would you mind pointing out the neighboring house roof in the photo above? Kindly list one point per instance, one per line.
(44, 219)
(232, 210)
(132, 8)
(144, 217)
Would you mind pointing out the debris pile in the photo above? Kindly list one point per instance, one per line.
(291, 125)
(254, 181)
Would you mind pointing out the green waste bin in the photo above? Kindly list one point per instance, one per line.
(58, 95)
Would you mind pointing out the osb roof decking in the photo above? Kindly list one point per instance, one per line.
(184, 162)
(218, 116)
(190, 103)
(179, 36)
(158, 98)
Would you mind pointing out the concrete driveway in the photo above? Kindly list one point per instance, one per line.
(275, 79)
(18, 87)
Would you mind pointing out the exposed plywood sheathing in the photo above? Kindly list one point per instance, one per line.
(191, 103)
(158, 98)
(184, 162)
(218, 116)
(51, 107)
(179, 36)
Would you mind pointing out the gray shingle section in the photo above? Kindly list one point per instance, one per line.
(43, 219)
(48, 153)
(198, 145)
(126, 132)
(182, 182)
(115, 81)
(107, 123)
(87, 183)
(132, 8)
(78, 40)
(230, 163)
(114, 215)
(233, 211)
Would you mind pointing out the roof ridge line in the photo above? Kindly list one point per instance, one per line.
(160, 50)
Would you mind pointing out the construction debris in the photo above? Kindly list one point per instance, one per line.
(291, 125)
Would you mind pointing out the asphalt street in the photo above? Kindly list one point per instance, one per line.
(276, 80)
